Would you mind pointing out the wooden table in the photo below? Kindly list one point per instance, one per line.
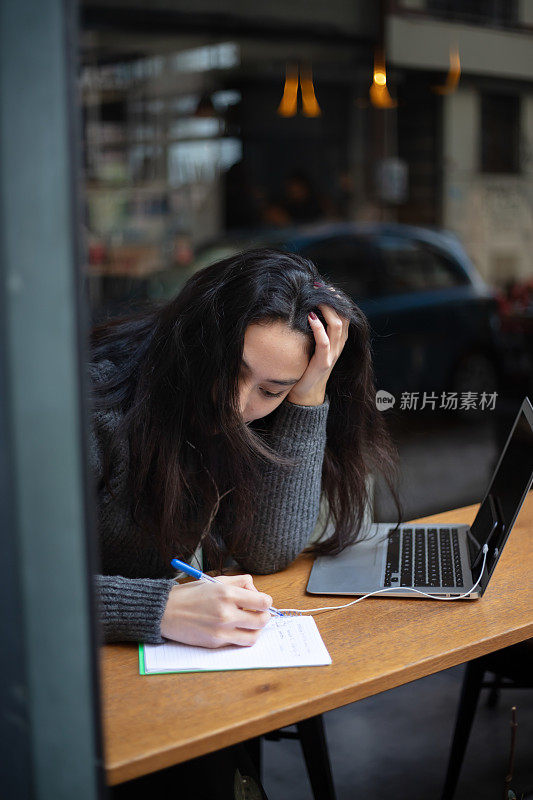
(151, 722)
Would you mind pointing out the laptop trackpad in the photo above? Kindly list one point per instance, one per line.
(357, 569)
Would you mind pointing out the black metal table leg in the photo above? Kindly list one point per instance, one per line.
(253, 747)
(315, 750)
(463, 725)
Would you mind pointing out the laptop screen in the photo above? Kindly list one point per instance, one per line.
(511, 481)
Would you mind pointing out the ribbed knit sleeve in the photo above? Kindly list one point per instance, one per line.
(130, 609)
(289, 500)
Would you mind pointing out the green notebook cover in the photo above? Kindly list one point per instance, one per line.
(141, 659)
(142, 668)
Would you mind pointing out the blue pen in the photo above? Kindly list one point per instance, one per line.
(201, 576)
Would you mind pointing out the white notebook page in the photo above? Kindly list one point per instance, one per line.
(284, 642)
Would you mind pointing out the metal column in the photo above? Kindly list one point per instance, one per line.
(49, 724)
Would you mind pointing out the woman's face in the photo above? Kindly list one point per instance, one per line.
(274, 359)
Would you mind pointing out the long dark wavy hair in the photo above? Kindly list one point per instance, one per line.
(194, 465)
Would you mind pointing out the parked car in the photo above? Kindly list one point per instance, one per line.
(435, 323)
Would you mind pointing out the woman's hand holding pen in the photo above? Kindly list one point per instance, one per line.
(216, 614)
(311, 388)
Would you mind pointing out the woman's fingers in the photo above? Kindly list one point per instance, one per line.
(337, 328)
(252, 601)
(321, 337)
(241, 590)
(251, 620)
(246, 581)
(242, 637)
(332, 318)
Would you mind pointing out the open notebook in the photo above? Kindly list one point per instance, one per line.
(284, 642)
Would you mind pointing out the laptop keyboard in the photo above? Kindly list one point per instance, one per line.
(423, 557)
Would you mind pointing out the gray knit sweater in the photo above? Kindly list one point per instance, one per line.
(133, 589)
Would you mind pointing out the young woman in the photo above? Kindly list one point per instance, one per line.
(217, 420)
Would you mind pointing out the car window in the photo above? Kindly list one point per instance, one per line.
(350, 262)
(224, 249)
(413, 266)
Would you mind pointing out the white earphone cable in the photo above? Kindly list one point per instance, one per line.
(300, 612)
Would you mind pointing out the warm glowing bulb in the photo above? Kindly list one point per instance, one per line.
(379, 94)
(288, 104)
(454, 73)
(310, 107)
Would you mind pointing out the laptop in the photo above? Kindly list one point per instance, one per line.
(440, 560)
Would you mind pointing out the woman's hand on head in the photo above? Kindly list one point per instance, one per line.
(311, 388)
(216, 614)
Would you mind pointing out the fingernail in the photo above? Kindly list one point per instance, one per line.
(312, 315)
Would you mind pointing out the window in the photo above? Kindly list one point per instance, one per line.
(417, 267)
(500, 122)
(351, 263)
(497, 12)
